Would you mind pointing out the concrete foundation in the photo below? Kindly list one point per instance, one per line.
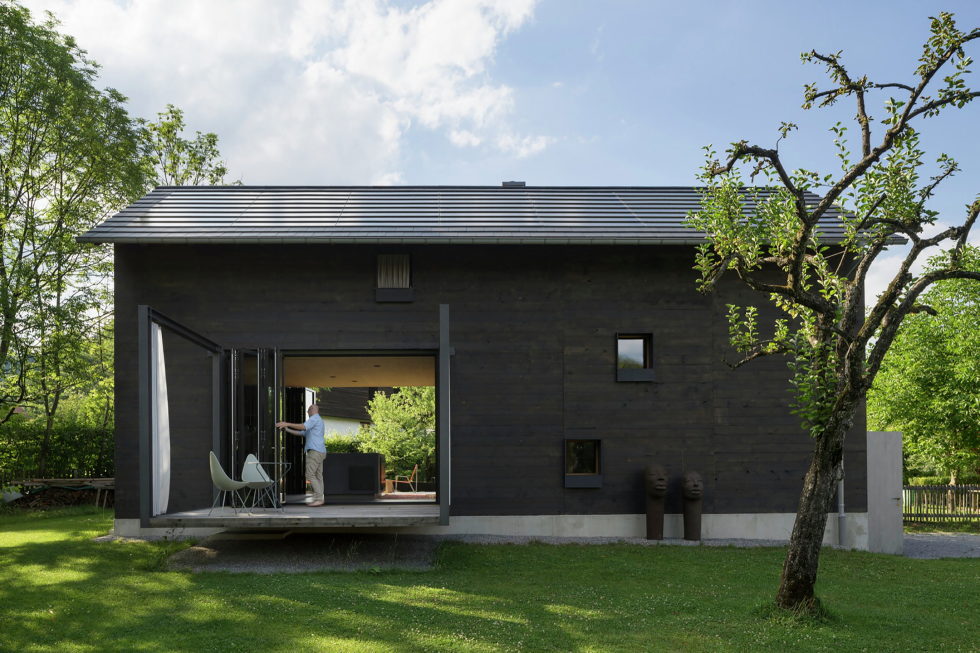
(131, 528)
(749, 526)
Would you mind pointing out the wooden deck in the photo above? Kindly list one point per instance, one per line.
(368, 515)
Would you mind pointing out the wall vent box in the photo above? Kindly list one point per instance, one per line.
(634, 374)
(583, 480)
(394, 295)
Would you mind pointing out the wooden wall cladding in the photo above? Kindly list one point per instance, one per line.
(534, 330)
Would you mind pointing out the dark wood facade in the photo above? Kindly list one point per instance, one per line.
(534, 333)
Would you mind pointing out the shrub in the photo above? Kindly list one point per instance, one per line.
(965, 479)
(336, 443)
(74, 450)
(403, 429)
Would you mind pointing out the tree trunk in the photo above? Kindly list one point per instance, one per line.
(819, 485)
(50, 410)
(42, 458)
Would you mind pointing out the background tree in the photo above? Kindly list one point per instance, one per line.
(69, 156)
(778, 250)
(173, 160)
(403, 429)
(928, 386)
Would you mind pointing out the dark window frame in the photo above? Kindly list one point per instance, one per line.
(643, 374)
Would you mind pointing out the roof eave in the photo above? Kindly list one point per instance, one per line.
(463, 240)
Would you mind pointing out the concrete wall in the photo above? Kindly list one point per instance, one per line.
(885, 532)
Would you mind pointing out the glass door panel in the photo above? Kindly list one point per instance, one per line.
(269, 441)
(244, 368)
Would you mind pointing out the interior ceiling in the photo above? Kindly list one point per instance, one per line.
(358, 371)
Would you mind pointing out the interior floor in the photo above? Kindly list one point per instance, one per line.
(394, 497)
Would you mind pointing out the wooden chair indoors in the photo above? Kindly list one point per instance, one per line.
(410, 481)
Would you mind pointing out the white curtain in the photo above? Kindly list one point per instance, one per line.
(161, 425)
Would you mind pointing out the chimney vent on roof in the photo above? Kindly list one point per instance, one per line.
(513, 184)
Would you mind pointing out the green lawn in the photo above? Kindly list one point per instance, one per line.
(59, 591)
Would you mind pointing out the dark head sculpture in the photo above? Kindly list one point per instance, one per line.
(656, 481)
(693, 485)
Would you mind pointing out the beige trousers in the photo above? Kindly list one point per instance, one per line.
(314, 472)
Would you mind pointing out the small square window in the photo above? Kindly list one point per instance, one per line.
(394, 278)
(581, 456)
(634, 357)
(583, 463)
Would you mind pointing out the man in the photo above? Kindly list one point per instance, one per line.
(316, 451)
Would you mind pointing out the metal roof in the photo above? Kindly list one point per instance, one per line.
(414, 214)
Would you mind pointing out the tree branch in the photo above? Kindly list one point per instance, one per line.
(759, 351)
(895, 317)
(904, 87)
(965, 232)
(811, 300)
(742, 150)
(923, 308)
(871, 211)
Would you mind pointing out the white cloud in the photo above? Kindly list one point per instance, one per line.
(312, 91)
(464, 138)
(522, 146)
(595, 47)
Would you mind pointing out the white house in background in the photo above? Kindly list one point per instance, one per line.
(344, 410)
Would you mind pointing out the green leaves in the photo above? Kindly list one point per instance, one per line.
(172, 160)
(403, 429)
(929, 384)
(69, 156)
(743, 327)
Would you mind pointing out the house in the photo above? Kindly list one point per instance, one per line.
(344, 409)
(560, 326)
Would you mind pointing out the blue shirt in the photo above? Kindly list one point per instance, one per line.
(314, 434)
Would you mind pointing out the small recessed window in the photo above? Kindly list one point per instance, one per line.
(583, 463)
(394, 278)
(634, 357)
(394, 271)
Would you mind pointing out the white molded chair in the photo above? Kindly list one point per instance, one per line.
(258, 481)
(225, 485)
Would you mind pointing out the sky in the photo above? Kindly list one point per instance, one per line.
(475, 92)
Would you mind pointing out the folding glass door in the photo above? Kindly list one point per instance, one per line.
(255, 380)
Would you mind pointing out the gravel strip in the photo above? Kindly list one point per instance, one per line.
(942, 545)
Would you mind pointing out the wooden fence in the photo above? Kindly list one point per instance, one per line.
(941, 503)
